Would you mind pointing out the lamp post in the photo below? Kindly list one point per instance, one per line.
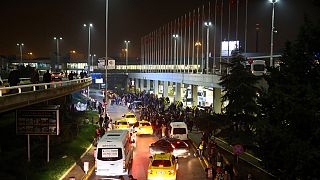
(106, 63)
(20, 48)
(94, 55)
(58, 56)
(198, 44)
(127, 51)
(207, 24)
(89, 27)
(175, 37)
(272, 31)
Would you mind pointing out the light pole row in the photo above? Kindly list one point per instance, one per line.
(127, 51)
(20, 47)
(58, 55)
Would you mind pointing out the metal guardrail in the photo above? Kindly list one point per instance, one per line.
(7, 91)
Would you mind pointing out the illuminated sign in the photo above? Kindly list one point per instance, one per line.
(42, 120)
(228, 46)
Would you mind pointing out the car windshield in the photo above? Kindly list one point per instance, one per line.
(162, 142)
(122, 123)
(144, 124)
(161, 163)
(179, 144)
(179, 131)
(109, 154)
(130, 116)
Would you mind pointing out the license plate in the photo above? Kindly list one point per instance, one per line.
(160, 172)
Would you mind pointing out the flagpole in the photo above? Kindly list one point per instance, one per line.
(193, 58)
(189, 43)
(202, 54)
(184, 43)
(221, 24)
(245, 28)
(214, 37)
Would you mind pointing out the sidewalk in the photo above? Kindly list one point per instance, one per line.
(76, 171)
(247, 162)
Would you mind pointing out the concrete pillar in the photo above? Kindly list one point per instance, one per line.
(148, 85)
(165, 88)
(195, 95)
(178, 92)
(217, 100)
(142, 85)
(128, 85)
(137, 84)
(156, 87)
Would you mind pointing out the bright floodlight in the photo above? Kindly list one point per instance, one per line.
(175, 35)
(54, 38)
(207, 23)
(273, 1)
(91, 25)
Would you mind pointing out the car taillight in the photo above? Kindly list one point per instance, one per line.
(124, 164)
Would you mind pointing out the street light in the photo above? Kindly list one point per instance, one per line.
(58, 56)
(89, 27)
(127, 51)
(175, 37)
(20, 47)
(207, 24)
(272, 31)
(198, 44)
(106, 63)
(94, 55)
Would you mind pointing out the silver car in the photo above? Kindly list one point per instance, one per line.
(176, 147)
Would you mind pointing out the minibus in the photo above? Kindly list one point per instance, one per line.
(114, 154)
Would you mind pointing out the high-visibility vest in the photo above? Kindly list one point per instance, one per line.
(201, 146)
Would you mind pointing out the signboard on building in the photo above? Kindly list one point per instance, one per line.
(38, 120)
(111, 63)
(228, 46)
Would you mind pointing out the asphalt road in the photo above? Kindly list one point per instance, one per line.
(190, 168)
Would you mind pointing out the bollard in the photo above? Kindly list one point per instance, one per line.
(86, 167)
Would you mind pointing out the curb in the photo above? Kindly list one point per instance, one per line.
(74, 164)
(206, 163)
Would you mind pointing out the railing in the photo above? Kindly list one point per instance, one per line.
(7, 91)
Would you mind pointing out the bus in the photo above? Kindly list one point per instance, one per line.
(114, 154)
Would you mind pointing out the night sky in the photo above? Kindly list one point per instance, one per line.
(36, 22)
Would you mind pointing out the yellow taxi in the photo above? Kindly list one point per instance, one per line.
(121, 124)
(131, 118)
(163, 166)
(144, 127)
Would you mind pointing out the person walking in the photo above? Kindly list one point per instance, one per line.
(201, 149)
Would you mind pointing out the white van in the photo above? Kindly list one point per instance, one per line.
(114, 154)
(179, 130)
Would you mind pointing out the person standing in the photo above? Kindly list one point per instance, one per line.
(47, 77)
(70, 75)
(35, 77)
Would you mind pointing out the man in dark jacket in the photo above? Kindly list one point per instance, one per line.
(47, 77)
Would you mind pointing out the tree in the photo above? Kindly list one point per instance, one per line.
(240, 88)
(288, 131)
